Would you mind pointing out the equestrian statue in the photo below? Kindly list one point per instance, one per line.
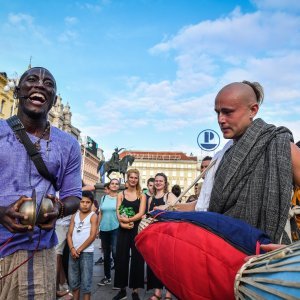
(115, 164)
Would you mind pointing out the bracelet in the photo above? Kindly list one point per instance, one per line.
(62, 209)
(72, 248)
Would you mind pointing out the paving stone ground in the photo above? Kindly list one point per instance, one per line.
(106, 292)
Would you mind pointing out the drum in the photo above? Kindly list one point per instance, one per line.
(274, 275)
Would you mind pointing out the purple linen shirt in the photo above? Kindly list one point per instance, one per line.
(19, 176)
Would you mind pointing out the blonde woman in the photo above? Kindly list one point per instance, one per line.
(132, 198)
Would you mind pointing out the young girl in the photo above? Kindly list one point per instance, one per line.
(131, 197)
(160, 197)
(109, 226)
(82, 232)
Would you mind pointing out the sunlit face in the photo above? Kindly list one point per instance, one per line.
(234, 114)
(85, 204)
(37, 92)
(204, 165)
(114, 185)
(196, 189)
(133, 179)
(150, 187)
(159, 183)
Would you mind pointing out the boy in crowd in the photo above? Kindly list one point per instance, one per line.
(81, 235)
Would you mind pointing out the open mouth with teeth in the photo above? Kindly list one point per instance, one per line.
(37, 98)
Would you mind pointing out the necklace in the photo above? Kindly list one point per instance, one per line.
(37, 144)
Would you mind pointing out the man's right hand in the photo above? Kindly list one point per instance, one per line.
(10, 216)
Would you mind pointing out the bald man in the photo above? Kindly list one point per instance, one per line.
(252, 178)
(255, 177)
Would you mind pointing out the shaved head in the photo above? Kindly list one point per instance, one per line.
(245, 91)
(236, 105)
(250, 92)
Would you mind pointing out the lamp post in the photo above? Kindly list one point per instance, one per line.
(85, 145)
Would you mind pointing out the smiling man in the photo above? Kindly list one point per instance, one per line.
(27, 255)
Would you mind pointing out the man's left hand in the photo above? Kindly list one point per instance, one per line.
(52, 216)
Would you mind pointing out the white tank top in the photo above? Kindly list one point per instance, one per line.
(82, 231)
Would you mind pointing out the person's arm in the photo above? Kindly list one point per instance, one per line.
(119, 202)
(73, 251)
(190, 206)
(90, 188)
(295, 153)
(141, 212)
(99, 217)
(149, 203)
(61, 208)
(92, 236)
(171, 199)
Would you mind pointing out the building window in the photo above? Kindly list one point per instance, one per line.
(2, 106)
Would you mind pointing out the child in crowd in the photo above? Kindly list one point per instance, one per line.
(81, 235)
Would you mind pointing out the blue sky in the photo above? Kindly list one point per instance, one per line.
(143, 74)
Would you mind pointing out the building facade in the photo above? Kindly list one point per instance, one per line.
(178, 167)
(89, 167)
(7, 101)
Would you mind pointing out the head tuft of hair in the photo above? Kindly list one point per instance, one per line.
(258, 90)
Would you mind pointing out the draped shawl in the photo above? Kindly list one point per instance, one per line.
(254, 180)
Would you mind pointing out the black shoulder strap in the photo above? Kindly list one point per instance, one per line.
(19, 129)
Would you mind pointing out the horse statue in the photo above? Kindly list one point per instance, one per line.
(111, 166)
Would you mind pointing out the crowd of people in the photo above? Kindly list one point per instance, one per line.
(252, 179)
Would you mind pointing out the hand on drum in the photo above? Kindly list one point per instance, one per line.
(267, 248)
(271, 247)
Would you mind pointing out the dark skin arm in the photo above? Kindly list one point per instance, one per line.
(71, 205)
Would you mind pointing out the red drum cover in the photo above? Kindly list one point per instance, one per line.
(192, 262)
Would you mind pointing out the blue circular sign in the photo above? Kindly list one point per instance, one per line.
(208, 140)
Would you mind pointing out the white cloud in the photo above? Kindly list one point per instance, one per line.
(71, 21)
(25, 24)
(68, 36)
(20, 20)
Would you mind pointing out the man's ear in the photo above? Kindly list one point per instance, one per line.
(254, 109)
(16, 92)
